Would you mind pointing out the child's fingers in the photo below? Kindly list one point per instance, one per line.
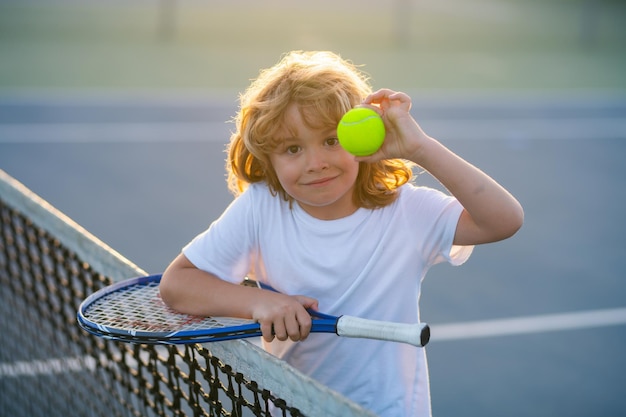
(385, 98)
(378, 96)
(292, 329)
(305, 323)
(307, 302)
(292, 323)
(280, 330)
(267, 330)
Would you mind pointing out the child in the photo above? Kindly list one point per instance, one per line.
(348, 235)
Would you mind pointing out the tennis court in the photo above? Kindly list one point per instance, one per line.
(531, 326)
(549, 301)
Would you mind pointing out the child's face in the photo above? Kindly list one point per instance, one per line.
(314, 169)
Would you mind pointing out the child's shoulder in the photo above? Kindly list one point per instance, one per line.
(259, 194)
(409, 190)
(256, 190)
(414, 194)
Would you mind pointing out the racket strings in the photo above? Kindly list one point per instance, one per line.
(140, 308)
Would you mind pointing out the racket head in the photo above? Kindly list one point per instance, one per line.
(133, 311)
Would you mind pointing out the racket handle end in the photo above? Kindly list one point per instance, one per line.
(417, 334)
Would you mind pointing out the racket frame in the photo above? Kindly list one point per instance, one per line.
(416, 334)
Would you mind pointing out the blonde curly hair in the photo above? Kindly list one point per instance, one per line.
(324, 86)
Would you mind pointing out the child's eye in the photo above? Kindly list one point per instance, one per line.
(332, 141)
(293, 149)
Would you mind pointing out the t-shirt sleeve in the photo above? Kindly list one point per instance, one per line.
(454, 254)
(224, 248)
(437, 221)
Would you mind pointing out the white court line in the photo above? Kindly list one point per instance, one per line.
(47, 366)
(71, 364)
(525, 325)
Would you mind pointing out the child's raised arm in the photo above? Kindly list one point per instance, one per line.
(490, 212)
(190, 290)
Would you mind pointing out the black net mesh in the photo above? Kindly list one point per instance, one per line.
(50, 367)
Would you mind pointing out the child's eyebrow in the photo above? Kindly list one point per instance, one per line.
(289, 139)
(286, 133)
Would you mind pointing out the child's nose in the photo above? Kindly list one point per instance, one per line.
(316, 160)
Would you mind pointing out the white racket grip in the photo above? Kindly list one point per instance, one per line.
(417, 334)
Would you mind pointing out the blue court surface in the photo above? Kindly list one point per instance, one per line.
(535, 325)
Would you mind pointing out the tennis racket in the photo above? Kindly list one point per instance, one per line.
(132, 311)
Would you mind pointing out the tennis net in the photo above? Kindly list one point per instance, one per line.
(48, 366)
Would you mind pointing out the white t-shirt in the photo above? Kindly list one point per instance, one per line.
(369, 264)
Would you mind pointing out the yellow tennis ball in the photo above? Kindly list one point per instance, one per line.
(361, 131)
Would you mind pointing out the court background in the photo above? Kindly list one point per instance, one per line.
(117, 115)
